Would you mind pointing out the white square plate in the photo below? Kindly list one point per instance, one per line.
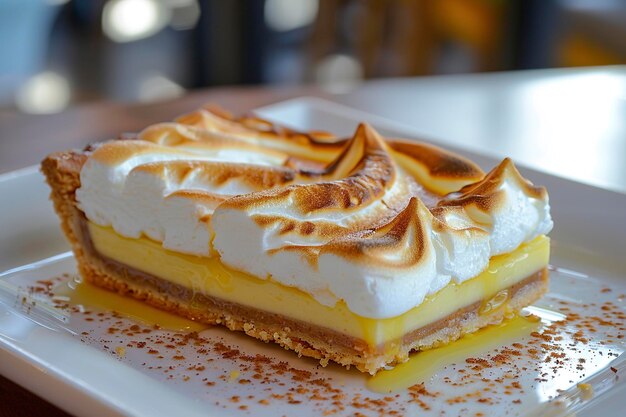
(46, 353)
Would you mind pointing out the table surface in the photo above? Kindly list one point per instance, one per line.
(565, 122)
(570, 123)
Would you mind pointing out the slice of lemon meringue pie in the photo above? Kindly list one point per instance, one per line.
(354, 250)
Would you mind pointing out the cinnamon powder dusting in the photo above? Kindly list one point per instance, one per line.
(494, 379)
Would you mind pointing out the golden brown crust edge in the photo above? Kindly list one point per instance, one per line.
(62, 172)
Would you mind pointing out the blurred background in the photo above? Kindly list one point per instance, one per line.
(58, 53)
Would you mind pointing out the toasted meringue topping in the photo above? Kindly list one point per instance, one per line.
(378, 223)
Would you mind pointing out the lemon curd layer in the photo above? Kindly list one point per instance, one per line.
(208, 276)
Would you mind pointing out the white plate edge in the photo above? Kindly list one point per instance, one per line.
(342, 110)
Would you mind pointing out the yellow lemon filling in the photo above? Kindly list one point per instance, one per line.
(208, 276)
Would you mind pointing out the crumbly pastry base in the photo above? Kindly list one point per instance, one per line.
(62, 171)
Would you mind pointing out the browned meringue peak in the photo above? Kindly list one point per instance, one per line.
(406, 239)
(185, 175)
(365, 143)
(116, 152)
(195, 139)
(438, 170)
(313, 145)
(183, 170)
(363, 174)
(207, 199)
(487, 193)
(361, 188)
(399, 243)
(505, 204)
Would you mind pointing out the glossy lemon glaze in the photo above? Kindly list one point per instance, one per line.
(422, 365)
(81, 293)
